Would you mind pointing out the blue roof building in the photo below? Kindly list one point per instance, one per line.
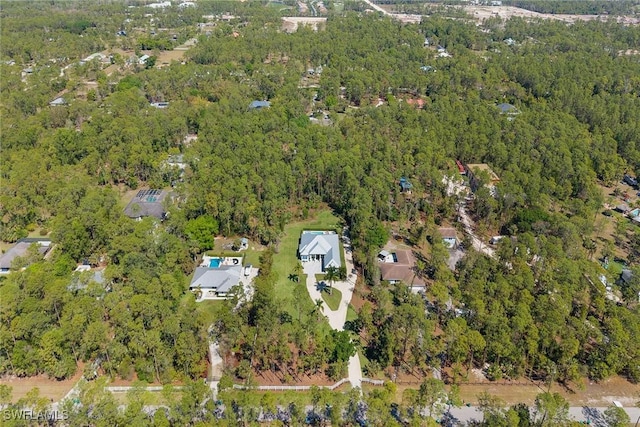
(256, 105)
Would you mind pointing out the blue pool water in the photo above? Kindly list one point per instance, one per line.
(215, 262)
(634, 213)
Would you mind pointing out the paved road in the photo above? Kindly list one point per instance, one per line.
(585, 414)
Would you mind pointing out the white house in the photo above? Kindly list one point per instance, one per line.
(216, 282)
(323, 246)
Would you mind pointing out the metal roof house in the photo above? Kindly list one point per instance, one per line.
(217, 281)
(257, 105)
(20, 249)
(57, 102)
(147, 203)
(323, 246)
(508, 109)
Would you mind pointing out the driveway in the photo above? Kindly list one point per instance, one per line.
(337, 317)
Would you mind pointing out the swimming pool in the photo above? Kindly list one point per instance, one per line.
(215, 262)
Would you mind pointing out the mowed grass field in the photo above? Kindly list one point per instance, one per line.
(285, 259)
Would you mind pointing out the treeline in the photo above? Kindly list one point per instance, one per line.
(577, 7)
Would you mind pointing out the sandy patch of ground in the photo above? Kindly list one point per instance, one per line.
(50, 389)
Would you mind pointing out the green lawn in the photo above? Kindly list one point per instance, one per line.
(209, 309)
(332, 299)
(285, 260)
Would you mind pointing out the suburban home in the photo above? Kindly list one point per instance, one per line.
(475, 172)
(21, 249)
(216, 281)
(399, 266)
(449, 237)
(147, 203)
(323, 246)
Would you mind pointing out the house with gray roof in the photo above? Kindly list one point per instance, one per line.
(20, 249)
(147, 203)
(323, 246)
(217, 281)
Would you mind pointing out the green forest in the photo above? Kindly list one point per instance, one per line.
(537, 310)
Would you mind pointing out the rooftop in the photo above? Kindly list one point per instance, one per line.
(147, 203)
(259, 104)
(20, 249)
(403, 270)
(222, 279)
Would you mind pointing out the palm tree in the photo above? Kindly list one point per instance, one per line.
(331, 274)
(297, 271)
(317, 308)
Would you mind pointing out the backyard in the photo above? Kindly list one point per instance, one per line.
(285, 259)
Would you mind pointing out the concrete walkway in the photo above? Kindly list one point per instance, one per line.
(338, 317)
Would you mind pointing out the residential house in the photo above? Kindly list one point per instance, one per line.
(623, 208)
(475, 173)
(147, 203)
(509, 110)
(58, 102)
(20, 249)
(216, 282)
(449, 237)
(400, 267)
(83, 275)
(258, 105)
(323, 246)
(405, 185)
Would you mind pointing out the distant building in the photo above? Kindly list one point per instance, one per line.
(509, 110)
(257, 105)
(475, 173)
(21, 249)
(449, 236)
(58, 102)
(405, 185)
(147, 203)
(160, 5)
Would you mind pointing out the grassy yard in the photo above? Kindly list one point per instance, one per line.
(285, 260)
(332, 299)
(209, 309)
